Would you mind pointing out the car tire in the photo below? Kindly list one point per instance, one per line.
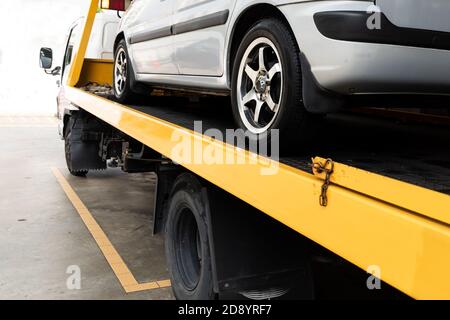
(280, 86)
(123, 74)
(187, 242)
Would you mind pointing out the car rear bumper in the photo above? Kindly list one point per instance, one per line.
(347, 57)
(352, 26)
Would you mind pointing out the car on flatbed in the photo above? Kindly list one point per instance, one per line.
(284, 60)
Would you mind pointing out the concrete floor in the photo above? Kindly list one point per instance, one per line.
(42, 235)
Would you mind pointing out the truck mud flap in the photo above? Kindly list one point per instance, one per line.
(83, 138)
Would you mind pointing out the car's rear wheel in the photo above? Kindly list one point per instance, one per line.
(267, 83)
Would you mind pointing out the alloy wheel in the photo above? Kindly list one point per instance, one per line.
(120, 71)
(260, 85)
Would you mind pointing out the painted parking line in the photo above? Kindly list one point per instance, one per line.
(121, 270)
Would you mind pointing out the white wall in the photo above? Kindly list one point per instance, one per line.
(25, 27)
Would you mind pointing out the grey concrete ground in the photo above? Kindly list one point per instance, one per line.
(41, 234)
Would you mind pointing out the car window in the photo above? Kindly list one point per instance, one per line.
(70, 51)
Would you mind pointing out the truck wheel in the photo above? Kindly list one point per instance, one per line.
(123, 74)
(68, 147)
(267, 83)
(187, 242)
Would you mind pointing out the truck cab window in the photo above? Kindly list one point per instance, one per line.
(70, 52)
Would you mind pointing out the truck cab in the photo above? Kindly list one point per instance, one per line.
(100, 47)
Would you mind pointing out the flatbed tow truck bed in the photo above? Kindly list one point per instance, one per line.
(408, 152)
(388, 202)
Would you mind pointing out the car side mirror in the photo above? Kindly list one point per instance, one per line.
(46, 61)
(46, 58)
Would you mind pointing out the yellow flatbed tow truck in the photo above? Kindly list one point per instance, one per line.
(382, 204)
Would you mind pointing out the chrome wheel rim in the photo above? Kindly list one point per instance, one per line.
(120, 71)
(260, 86)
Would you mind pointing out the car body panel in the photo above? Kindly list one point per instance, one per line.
(200, 59)
(143, 18)
(365, 68)
(203, 53)
(429, 14)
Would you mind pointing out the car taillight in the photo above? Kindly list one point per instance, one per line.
(113, 5)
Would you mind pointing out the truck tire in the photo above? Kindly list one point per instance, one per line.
(187, 241)
(267, 84)
(68, 152)
(82, 147)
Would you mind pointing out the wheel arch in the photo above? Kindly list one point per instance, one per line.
(68, 113)
(244, 22)
(120, 36)
(65, 122)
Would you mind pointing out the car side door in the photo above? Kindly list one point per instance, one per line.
(148, 28)
(200, 28)
(417, 14)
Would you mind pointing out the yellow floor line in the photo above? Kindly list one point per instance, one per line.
(123, 274)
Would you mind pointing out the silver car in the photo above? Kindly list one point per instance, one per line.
(282, 61)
